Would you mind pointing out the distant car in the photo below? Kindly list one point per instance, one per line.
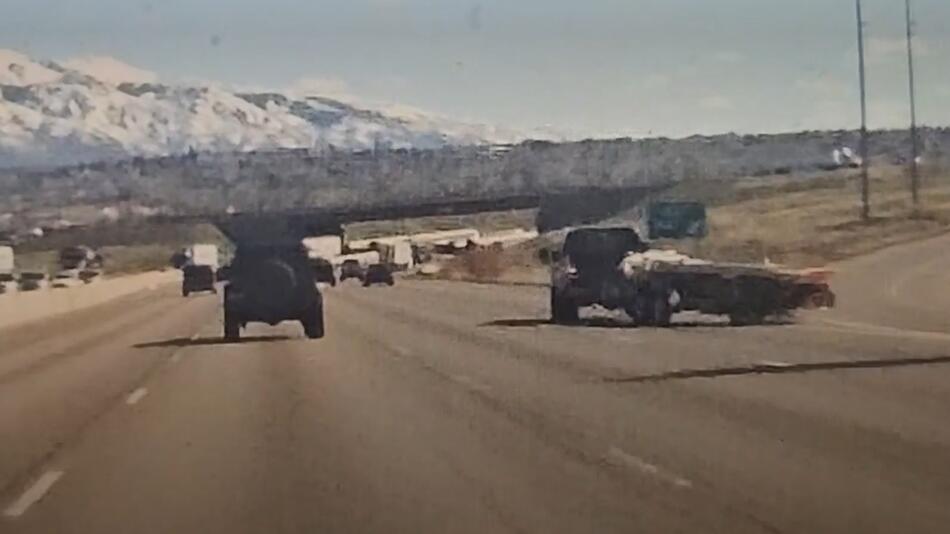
(79, 258)
(32, 281)
(7, 283)
(323, 271)
(378, 274)
(67, 278)
(351, 269)
(197, 278)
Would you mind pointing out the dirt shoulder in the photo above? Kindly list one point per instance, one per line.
(17, 309)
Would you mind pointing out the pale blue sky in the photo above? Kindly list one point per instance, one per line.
(588, 67)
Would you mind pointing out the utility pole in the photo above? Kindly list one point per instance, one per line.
(915, 149)
(865, 203)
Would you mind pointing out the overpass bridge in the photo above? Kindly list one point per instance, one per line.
(555, 209)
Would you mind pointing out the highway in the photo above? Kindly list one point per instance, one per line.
(446, 407)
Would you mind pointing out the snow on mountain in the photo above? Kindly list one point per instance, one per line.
(110, 70)
(98, 108)
(18, 69)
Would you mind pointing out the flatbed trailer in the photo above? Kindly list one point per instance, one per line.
(612, 268)
(748, 294)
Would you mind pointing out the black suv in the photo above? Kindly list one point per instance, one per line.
(378, 274)
(323, 271)
(271, 284)
(197, 278)
(351, 269)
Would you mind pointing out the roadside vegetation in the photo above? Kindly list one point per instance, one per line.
(131, 246)
(813, 226)
(798, 221)
(794, 221)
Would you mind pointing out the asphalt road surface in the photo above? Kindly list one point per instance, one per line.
(440, 407)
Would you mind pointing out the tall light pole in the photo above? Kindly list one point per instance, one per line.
(865, 203)
(914, 171)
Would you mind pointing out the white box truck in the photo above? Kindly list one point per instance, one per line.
(402, 255)
(326, 247)
(205, 255)
(6, 259)
(7, 281)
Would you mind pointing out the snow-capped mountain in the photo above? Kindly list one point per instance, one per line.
(98, 108)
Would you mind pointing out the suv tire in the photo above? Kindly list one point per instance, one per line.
(313, 321)
(563, 311)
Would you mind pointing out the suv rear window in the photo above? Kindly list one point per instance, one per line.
(604, 243)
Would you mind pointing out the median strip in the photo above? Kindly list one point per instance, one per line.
(33, 494)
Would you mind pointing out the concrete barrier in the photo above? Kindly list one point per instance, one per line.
(20, 308)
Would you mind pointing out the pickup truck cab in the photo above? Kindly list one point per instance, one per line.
(584, 272)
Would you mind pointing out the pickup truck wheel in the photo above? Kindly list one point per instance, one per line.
(232, 326)
(313, 321)
(746, 318)
(641, 311)
(662, 311)
(563, 311)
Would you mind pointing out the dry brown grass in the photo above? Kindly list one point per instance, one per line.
(515, 265)
(822, 224)
(477, 265)
(118, 259)
(136, 259)
(795, 221)
(127, 247)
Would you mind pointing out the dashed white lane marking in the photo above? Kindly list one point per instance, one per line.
(471, 383)
(176, 356)
(136, 396)
(877, 330)
(777, 365)
(33, 494)
(620, 458)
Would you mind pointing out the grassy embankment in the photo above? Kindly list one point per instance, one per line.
(127, 247)
(794, 221)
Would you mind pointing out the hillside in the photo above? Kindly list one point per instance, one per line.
(99, 109)
(214, 182)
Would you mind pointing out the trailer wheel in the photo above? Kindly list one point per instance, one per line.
(746, 318)
(313, 321)
(563, 311)
(232, 326)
